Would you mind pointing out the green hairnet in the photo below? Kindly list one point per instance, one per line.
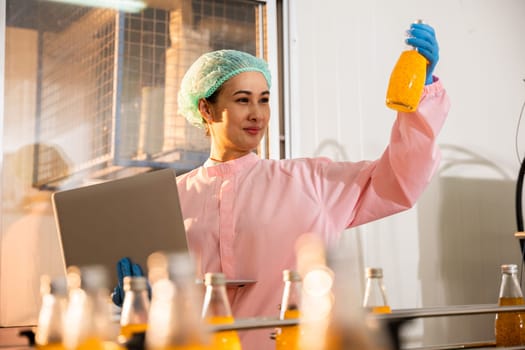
(208, 73)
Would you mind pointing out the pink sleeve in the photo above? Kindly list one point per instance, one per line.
(395, 181)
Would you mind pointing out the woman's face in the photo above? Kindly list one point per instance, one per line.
(239, 117)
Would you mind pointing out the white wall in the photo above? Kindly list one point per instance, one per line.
(447, 250)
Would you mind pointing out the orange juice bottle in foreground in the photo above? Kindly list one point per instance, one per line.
(509, 326)
(174, 321)
(375, 294)
(287, 338)
(407, 81)
(216, 311)
(88, 321)
(49, 333)
(135, 308)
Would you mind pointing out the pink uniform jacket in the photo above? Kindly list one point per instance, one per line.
(242, 217)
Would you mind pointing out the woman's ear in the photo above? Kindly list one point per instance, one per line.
(205, 110)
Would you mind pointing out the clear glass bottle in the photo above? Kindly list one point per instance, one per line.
(216, 311)
(407, 81)
(49, 332)
(331, 317)
(287, 338)
(375, 299)
(175, 322)
(135, 307)
(161, 315)
(509, 326)
(88, 323)
(351, 327)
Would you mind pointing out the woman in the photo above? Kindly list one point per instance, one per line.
(243, 214)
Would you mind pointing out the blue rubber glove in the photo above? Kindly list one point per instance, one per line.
(423, 38)
(125, 267)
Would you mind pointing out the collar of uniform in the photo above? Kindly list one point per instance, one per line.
(231, 166)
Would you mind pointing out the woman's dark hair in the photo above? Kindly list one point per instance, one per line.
(213, 97)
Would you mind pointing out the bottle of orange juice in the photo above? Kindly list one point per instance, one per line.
(287, 338)
(135, 308)
(175, 321)
(216, 311)
(49, 333)
(88, 321)
(509, 326)
(375, 294)
(407, 81)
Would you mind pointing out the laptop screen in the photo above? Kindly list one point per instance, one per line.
(133, 217)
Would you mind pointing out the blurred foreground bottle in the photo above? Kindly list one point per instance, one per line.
(88, 324)
(175, 322)
(509, 326)
(49, 333)
(332, 316)
(216, 311)
(135, 308)
(407, 81)
(375, 294)
(287, 338)
(352, 328)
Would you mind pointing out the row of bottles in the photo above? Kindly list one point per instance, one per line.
(79, 315)
(288, 338)
(76, 312)
(175, 319)
(509, 327)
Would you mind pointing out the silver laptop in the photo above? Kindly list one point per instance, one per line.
(133, 217)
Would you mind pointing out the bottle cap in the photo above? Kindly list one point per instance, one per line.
(509, 268)
(181, 266)
(374, 272)
(93, 277)
(135, 283)
(157, 266)
(58, 286)
(291, 276)
(214, 279)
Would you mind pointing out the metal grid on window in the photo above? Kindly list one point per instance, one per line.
(143, 70)
(75, 102)
(109, 82)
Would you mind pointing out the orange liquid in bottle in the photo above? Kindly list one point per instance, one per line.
(126, 332)
(92, 343)
(52, 346)
(509, 326)
(288, 338)
(188, 347)
(381, 309)
(226, 340)
(407, 82)
(333, 338)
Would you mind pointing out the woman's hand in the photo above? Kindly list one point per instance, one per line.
(423, 38)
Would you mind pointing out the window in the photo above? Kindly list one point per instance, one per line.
(102, 86)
